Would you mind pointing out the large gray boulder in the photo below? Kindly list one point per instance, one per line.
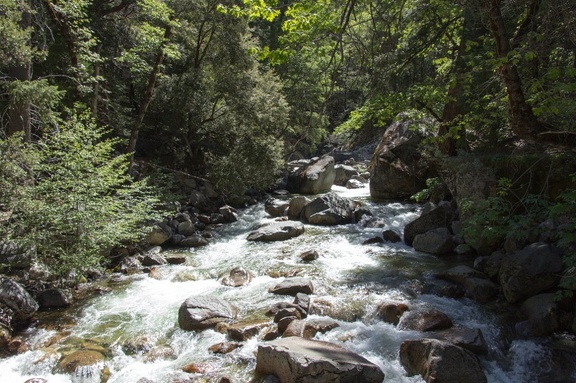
(276, 207)
(440, 362)
(542, 316)
(397, 169)
(299, 360)
(277, 231)
(436, 241)
(14, 256)
(296, 207)
(202, 312)
(530, 271)
(16, 303)
(315, 178)
(330, 209)
(440, 216)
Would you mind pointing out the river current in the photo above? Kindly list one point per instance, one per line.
(135, 324)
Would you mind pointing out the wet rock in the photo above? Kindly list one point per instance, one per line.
(276, 207)
(391, 236)
(373, 241)
(343, 173)
(239, 276)
(330, 209)
(287, 312)
(224, 347)
(470, 339)
(309, 328)
(130, 265)
(424, 320)
(283, 305)
(243, 331)
(36, 380)
(296, 207)
(481, 290)
(440, 216)
(202, 312)
(391, 312)
(153, 260)
(19, 303)
(293, 286)
(438, 361)
(309, 256)
(459, 274)
(303, 301)
(229, 213)
(354, 184)
(533, 270)
(315, 178)
(436, 241)
(176, 259)
(543, 316)
(53, 298)
(296, 359)
(277, 231)
(81, 358)
(195, 240)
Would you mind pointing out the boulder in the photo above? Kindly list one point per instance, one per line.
(436, 241)
(471, 339)
(276, 207)
(293, 286)
(229, 213)
(52, 298)
(530, 271)
(296, 207)
(202, 312)
(428, 319)
(354, 184)
(299, 360)
(277, 231)
(224, 347)
(390, 312)
(195, 240)
(152, 259)
(159, 234)
(303, 301)
(343, 173)
(439, 361)
(542, 316)
(308, 329)
(14, 256)
(315, 178)
(245, 330)
(74, 363)
(309, 256)
(441, 216)
(186, 228)
(238, 276)
(20, 304)
(330, 209)
(391, 236)
(397, 169)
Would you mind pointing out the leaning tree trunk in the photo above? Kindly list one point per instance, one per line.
(523, 121)
(19, 110)
(131, 148)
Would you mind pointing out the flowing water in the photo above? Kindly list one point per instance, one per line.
(135, 324)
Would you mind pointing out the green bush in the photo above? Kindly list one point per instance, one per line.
(69, 197)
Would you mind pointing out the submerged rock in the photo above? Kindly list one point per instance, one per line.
(299, 360)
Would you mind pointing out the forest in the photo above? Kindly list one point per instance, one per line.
(100, 99)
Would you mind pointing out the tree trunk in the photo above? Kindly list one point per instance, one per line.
(523, 122)
(19, 113)
(147, 99)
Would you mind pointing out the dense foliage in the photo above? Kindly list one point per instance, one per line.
(227, 90)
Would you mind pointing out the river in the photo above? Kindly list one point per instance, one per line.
(135, 324)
